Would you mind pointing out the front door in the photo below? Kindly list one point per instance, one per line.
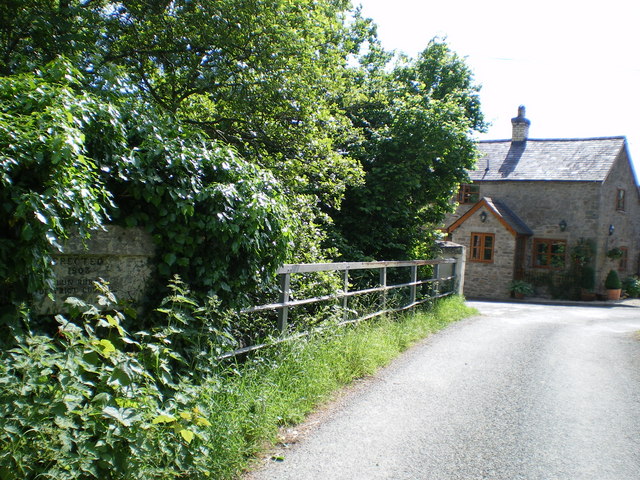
(518, 264)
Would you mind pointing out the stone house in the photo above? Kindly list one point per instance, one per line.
(533, 205)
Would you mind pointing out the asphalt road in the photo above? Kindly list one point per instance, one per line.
(520, 392)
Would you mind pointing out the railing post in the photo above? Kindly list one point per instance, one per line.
(383, 283)
(454, 281)
(283, 312)
(459, 271)
(436, 275)
(414, 279)
(345, 299)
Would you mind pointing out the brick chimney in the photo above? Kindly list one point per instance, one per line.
(520, 126)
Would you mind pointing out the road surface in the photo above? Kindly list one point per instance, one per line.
(519, 392)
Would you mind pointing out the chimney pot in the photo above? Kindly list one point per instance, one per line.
(520, 126)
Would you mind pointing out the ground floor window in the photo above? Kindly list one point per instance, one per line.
(549, 253)
(482, 247)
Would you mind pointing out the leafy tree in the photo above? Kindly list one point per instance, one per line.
(417, 119)
(71, 162)
(209, 123)
(264, 76)
(218, 221)
(49, 185)
(34, 33)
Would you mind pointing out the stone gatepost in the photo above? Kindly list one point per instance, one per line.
(458, 252)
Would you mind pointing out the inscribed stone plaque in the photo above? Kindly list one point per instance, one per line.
(121, 256)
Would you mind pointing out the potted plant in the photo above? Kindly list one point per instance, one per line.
(631, 286)
(613, 285)
(587, 283)
(520, 288)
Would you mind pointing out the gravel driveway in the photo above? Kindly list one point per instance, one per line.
(520, 392)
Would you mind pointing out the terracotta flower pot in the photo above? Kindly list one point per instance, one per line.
(613, 294)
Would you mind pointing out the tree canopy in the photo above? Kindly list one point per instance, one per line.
(417, 119)
(71, 163)
(222, 128)
(262, 75)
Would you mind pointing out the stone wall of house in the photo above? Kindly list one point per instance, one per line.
(544, 205)
(121, 256)
(487, 280)
(626, 223)
(588, 208)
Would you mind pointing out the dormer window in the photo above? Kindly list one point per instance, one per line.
(620, 200)
(468, 193)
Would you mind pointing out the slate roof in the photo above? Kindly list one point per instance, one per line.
(510, 220)
(584, 159)
(509, 217)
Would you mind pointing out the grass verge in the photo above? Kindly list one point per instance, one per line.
(283, 385)
(93, 403)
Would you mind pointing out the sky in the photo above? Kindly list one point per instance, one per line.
(574, 65)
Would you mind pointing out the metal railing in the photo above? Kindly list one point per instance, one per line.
(439, 286)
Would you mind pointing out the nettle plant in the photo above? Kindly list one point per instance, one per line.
(97, 402)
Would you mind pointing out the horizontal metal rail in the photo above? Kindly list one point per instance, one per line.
(277, 341)
(285, 303)
(331, 267)
(339, 295)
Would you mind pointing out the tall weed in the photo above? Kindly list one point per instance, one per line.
(96, 402)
